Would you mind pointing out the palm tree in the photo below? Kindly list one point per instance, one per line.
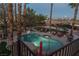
(24, 9)
(19, 18)
(10, 25)
(15, 16)
(30, 17)
(10, 20)
(15, 11)
(75, 6)
(51, 6)
(5, 22)
(24, 16)
(19, 27)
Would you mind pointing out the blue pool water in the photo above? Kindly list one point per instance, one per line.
(48, 43)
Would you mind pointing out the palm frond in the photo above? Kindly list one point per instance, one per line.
(73, 5)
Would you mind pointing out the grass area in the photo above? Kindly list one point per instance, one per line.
(3, 50)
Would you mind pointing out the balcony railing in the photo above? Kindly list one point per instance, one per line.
(25, 50)
(67, 50)
(21, 49)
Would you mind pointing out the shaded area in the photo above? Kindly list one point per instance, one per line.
(3, 49)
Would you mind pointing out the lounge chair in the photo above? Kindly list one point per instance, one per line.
(69, 38)
(60, 34)
(28, 32)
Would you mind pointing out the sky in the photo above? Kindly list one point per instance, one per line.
(60, 10)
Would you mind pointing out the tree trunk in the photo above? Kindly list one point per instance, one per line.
(5, 22)
(25, 9)
(73, 21)
(10, 25)
(24, 24)
(15, 18)
(75, 14)
(19, 19)
(51, 15)
(15, 11)
(19, 29)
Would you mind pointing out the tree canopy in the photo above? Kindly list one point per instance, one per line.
(33, 19)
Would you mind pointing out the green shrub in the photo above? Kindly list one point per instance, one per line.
(3, 50)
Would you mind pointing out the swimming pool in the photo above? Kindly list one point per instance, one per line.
(49, 44)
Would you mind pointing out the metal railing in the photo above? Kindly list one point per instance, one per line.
(68, 50)
(24, 50)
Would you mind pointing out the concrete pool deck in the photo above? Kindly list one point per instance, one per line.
(63, 39)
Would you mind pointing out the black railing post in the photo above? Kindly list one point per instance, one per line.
(18, 47)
